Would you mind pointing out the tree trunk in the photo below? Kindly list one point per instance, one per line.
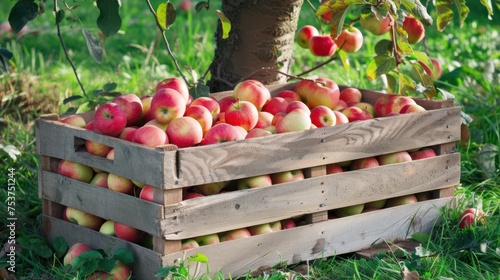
(262, 35)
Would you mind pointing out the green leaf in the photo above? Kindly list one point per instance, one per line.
(420, 237)
(59, 16)
(489, 7)
(444, 14)
(199, 257)
(226, 24)
(92, 254)
(36, 245)
(345, 59)
(199, 90)
(72, 98)
(163, 271)
(109, 87)
(406, 84)
(124, 255)
(381, 64)
(446, 95)
(418, 10)
(21, 13)
(339, 10)
(384, 47)
(94, 45)
(88, 267)
(6, 53)
(109, 20)
(427, 82)
(166, 15)
(60, 246)
(463, 10)
(201, 5)
(391, 83)
(107, 265)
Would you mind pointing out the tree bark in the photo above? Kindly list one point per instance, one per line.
(262, 36)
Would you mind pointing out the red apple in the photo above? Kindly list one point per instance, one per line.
(189, 243)
(128, 133)
(184, 132)
(254, 182)
(127, 233)
(96, 148)
(150, 135)
(202, 115)
(242, 113)
(74, 251)
(167, 104)
(289, 95)
(367, 107)
(235, 234)
(414, 28)
(334, 168)
(100, 180)
(185, 5)
(287, 223)
(120, 184)
(75, 170)
(296, 105)
(211, 104)
(423, 153)
(257, 132)
(275, 105)
(264, 119)
(108, 228)
(190, 195)
(211, 188)
(120, 271)
(470, 216)
(252, 91)
(328, 15)
(304, 35)
(147, 193)
(350, 96)
(146, 104)
(296, 120)
(322, 116)
(396, 157)
(341, 118)
(412, 108)
(131, 105)
(376, 26)
(83, 219)
(176, 84)
(322, 45)
(260, 229)
(225, 102)
(364, 163)
(349, 210)
(350, 39)
(207, 239)
(401, 200)
(220, 133)
(74, 120)
(356, 114)
(287, 176)
(322, 91)
(110, 119)
(398, 102)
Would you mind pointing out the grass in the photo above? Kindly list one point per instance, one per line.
(136, 60)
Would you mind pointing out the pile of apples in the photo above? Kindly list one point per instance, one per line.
(120, 270)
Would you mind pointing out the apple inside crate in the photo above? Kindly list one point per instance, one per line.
(169, 170)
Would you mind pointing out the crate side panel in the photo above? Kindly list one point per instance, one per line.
(281, 152)
(318, 240)
(102, 202)
(146, 262)
(237, 209)
(137, 162)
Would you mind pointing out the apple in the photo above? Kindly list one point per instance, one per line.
(412, 108)
(127, 233)
(211, 188)
(74, 120)
(401, 200)
(220, 133)
(321, 91)
(278, 117)
(74, 251)
(260, 229)
(276, 104)
(100, 180)
(340, 106)
(83, 219)
(242, 113)
(252, 91)
(349, 210)
(397, 102)
(128, 133)
(322, 45)
(438, 68)
(350, 39)
(287, 223)
(296, 120)
(235, 234)
(391, 103)
(356, 114)
(396, 157)
(257, 132)
(131, 105)
(264, 119)
(75, 170)
(470, 216)
(99, 275)
(96, 148)
(414, 28)
(120, 271)
(376, 26)
(378, 204)
(289, 95)
(110, 119)
(296, 105)
(147, 193)
(423, 153)
(254, 182)
(190, 195)
(322, 116)
(185, 5)
(423, 196)
(364, 163)
(120, 184)
(167, 104)
(328, 15)
(333, 168)
(176, 84)
(146, 103)
(184, 132)
(340, 118)
(189, 244)
(350, 96)
(150, 135)
(287, 176)
(225, 102)
(207, 239)
(211, 104)
(108, 228)
(304, 35)
(275, 226)
(202, 115)
(242, 131)
(367, 107)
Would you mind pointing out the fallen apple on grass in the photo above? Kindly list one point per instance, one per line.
(470, 217)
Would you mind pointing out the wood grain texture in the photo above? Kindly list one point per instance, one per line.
(146, 261)
(319, 240)
(225, 211)
(102, 202)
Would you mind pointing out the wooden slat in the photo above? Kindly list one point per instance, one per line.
(146, 262)
(102, 202)
(318, 240)
(318, 216)
(276, 153)
(237, 209)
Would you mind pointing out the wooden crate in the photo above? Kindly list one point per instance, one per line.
(170, 220)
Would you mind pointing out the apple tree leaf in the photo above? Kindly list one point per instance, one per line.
(406, 84)
(109, 20)
(201, 5)
(166, 15)
(463, 11)
(345, 59)
(93, 44)
(391, 83)
(60, 246)
(418, 10)
(109, 87)
(381, 64)
(60, 16)
(384, 47)
(72, 98)
(124, 255)
(199, 257)
(401, 41)
(420, 237)
(339, 10)
(107, 265)
(444, 13)
(426, 85)
(21, 13)
(199, 89)
(226, 24)
(489, 7)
